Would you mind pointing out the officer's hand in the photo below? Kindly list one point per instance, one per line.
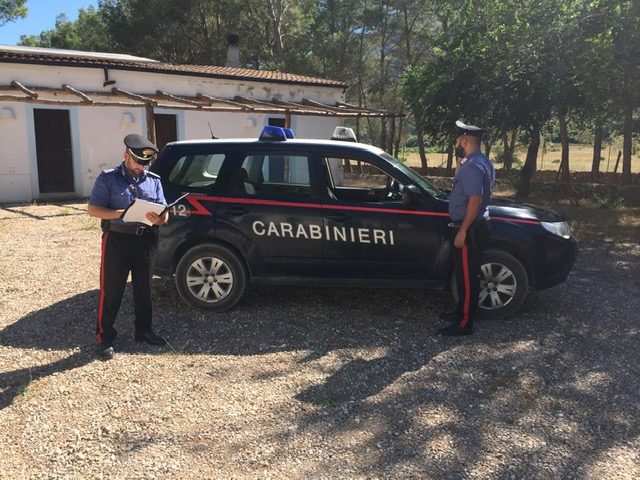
(154, 218)
(461, 236)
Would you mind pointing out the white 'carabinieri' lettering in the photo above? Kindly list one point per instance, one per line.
(334, 233)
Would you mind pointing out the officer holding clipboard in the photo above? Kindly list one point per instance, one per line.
(127, 246)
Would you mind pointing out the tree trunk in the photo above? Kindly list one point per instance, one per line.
(530, 165)
(421, 149)
(564, 140)
(277, 11)
(396, 147)
(626, 147)
(392, 136)
(449, 170)
(509, 148)
(487, 147)
(597, 152)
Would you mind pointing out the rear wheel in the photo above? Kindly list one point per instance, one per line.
(211, 277)
(504, 284)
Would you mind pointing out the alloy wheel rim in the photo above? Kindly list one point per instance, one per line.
(498, 286)
(209, 279)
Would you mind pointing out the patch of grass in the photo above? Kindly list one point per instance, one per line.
(89, 223)
(22, 389)
(607, 202)
(325, 402)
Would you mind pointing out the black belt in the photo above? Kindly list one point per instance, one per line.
(479, 221)
(138, 230)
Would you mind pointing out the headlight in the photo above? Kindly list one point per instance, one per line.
(561, 229)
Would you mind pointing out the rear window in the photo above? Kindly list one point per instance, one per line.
(276, 174)
(197, 171)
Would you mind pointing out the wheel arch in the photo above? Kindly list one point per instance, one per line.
(518, 251)
(198, 241)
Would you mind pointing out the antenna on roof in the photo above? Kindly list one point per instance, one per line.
(213, 137)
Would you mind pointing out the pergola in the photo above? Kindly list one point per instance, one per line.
(67, 95)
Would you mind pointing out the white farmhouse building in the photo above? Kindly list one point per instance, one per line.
(63, 113)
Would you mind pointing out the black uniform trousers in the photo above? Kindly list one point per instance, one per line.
(467, 262)
(123, 253)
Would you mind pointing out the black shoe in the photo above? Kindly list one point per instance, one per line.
(105, 351)
(455, 331)
(151, 338)
(447, 315)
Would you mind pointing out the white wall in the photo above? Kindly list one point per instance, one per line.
(100, 135)
(15, 174)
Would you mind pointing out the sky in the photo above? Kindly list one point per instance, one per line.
(41, 15)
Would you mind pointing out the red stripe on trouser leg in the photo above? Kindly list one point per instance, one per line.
(100, 330)
(467, 287)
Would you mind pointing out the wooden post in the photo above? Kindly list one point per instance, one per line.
(151, 123)
(392, 137)
(287, 119)
(615, 170)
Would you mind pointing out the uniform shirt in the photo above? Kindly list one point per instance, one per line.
(116, 189)
(475, 176)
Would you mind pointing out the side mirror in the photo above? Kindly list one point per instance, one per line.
(410, 194)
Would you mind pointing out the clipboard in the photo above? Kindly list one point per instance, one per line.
(136, 212)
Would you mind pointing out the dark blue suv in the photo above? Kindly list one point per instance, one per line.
(310, 212)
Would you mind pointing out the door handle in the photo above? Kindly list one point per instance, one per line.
(237, 211)
(337, 217)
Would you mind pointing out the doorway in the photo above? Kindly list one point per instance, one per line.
(166, 129)
(53, 150)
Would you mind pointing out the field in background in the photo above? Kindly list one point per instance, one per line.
(580, 157)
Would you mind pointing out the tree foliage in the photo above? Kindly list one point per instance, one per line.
(11, 10)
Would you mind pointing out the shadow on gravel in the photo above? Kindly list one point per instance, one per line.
(62, 326)
(549, 393)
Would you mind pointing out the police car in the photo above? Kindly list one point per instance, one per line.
(285, 211)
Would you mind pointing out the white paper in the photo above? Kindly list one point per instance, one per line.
(138, 209)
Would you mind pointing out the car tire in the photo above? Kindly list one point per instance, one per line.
(504, 285)
(211, 277)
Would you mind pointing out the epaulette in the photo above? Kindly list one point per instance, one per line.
(109, 170)
(154, 175)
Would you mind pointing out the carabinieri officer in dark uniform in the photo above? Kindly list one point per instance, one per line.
(468, 202)
(127, 247)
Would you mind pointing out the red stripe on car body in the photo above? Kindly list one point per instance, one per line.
(199, 209)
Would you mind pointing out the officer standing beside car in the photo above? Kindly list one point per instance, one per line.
(127, 247)
(468, 210)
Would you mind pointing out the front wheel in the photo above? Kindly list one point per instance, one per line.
(504, 284)
(211, 277)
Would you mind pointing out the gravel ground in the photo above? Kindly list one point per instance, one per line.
(315, 383)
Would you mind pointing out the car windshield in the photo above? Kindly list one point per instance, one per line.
(409, 172)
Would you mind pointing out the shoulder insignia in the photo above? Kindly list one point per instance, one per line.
(109, 170)
(152, 174)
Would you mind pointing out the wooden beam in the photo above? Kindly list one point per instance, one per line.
(151, 123)
(178, 99)
(83, 96)
(241, 99)
(220, 100)
(135, 96)
(30, 93)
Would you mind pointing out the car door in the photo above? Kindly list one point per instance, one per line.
(370, 232)
(272, 215)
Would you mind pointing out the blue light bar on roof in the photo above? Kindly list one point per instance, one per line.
(274, 134)
(289, 133)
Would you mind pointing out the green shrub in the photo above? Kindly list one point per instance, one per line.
(607, 202)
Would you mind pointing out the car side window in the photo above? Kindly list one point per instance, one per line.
(197, 171)
(275, 174)
(359, 180)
